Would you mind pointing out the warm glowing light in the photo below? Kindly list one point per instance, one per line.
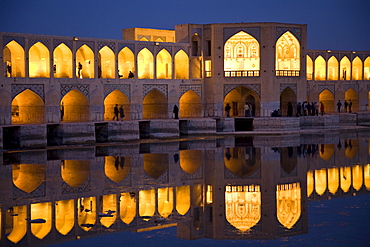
(75, 172)
(309, 67)
(310, 183)
(333, 180)
(13, 58)
(28, 107)
(145, 64)
(41, 211)
(333, 68)
(28, 177)
(191, 160)
(146, 203)
(39, 61)
(117, 167)
(108, 210)
(183, 199)
(86, 212)
(345, 178)
(127, 207)
(320, 68)
(16, 223)
(85, 62)
(165, 201)
(76, 107)
(64, 216)
(106, 69)
(320, 181)
(181, 65)
(155, 105)
(190, 105)
(345, 69)
(357, 177)
(164, 65)
(288, 204)
(62, 61)
(287, 52)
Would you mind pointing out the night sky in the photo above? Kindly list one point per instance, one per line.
(332, 24)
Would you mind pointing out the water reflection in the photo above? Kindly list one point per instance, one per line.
(221, 188)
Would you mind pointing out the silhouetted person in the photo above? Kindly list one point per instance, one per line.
(119, 76)
(290, 109)
(227, 110)
(116, 112)
(9, 70)
(299, 109)
(131, 75)
(345, 105)
(176, 158)
(350, 106)
(79, 70)
(61, 111)
(339, 105)
(176, 111)
(121, 113)
(322, 108)
(55, 68)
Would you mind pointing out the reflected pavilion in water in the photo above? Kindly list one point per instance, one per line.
(231, 187)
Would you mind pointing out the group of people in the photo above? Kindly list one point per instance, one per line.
(308, 109)
(119, 113)
(247, 110)
(347, 106)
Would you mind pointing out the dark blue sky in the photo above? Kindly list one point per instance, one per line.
(332, 24)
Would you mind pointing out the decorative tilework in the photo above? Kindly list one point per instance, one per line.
(163, 88)
(196, 88)
(322, 87)
(142, 46)
(130, 46)
(230, 175)
(350, 86)
(291, 86)
(176, 49)
(67, 189)
(111, 45)
(36, 88)
(254, 87)
(124, 88)
(57, 42)
(66, 88)
(296, 31)
(196, 175)
(38, 192)
(31, 42)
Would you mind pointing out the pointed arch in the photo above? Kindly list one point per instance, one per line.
(28, 177)
(126, 63)
(76, 107)
(106, 63)
(181, 65)
(127, 207)
(145, 64)
(345, 69)
(309, 67)
(155, 105)
(241, 161)
(146, 203)
(165, 201)
(320, 181)
(41, 211)
(333, 180)
(164, 65)
(320, 68)
(86, 213)
(190, 105)
(117, 168)
(62, 61)
(27, 108)
(108, 203)
(75, 172)
(237, 98)
(191, 160)
(39, 61)
(85, 62)
(16, 227)
(333, 68)
(357, 69)
(287, 52)
(14, 60)
(367, 69)
(351, 97)
(64, 216)
(116, 98)
(155, 164)
(183, 199)
(288, 97)
(288, 204)
(327, 98)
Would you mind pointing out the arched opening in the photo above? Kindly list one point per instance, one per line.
(287, 55)
(13, 58)
(345, 69)
(108, 205)
(181, 65)
(367, 69)
(106, 63)
(190, 105)
(126, 63)
(351, 148)
(352, 98)
(333, 180)
(155, 164)
(332, 69)
(28, 177)
(41, 211)
(237, 99)
(241, 55)
(155, 105)
(164, 65)
(165, 201)
(117, 168)
(116, 98)
(16, 225)
(28, 108)
(64, 216)
(84, 62)
(191, 160)
(320, 69)
(62, 61)
(345, 178)
(327, 98)
(288, 159)
(39, 61)
(357, 177)
(145, 64)
(75, 172)
(310, 183)
(320, 181)
(183, 199)
(326, 151)
(288, 204)
(357, 69)
(241, 161)
(146, 203)
(76, 107)
(86, 213)
(309, 67)
(127, 207)
(288, 102)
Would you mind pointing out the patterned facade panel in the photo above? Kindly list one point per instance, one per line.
(67, 189)
(163, 88)
(111, 45)
(142, 46)
(19, 40)
(130, 46)
(254, 87)
(196, 88)
(176, 49)
(90, 44)
(124, 88)
(350, 86)
(36, 88)
(296, 31)
(322, 87)
(167, 48)
(57, 42)
(253, 31)
(31, 42)
(291, 86)
(66, 88)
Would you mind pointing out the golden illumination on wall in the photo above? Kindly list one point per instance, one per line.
(367, 69)
(75, 172)
(85, 62)
(41, 211)
(164, 65)
(310, 183)
(76, 107)
(181, 65)
(209, 194)
(108, 206)
(13, 58)
(62, 61)
(119, 98)
(106, 63)
(241, 53)
(39, 61)
(86, 212)
(241, 161)
(351, 148)
(28, 108)
(165, 201)
(126, 63)
(117, 167)
(191, 160)
(146, 203)
(367, 176)
(64, 216)
(145, 64)
(345, 178)
(183, 199)
(190, 105)
(309, 67)
(287, 52)
(28, 177)
(320, 181)
(333, 180)
(333, 68)
(345, 69)
(243, 206)
(326, 151)
(357, 69)
(327, 98)
(288, 204)
(320, 69)
(127, 207)
(16, 223)
(357, 177)
(155, 105)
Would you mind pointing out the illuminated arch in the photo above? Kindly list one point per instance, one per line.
(309, 67)
(41, 211)
(367, 69)
(155, 105)
(126, 62)
(320, 68)
(243, 206)
(13, 58)
(181, 65)
(345, 178)
(345, 69)
(287, 52)
(333, 180)
(145, 64)
(287, 96)
(146, 203)
(357, 69)
(62, 61)
(357, 177)
(327, 98)
(39, 61)
(119, 98)
(333, 68)
(108, 206)
(310, 183)
(320, 181)
(237, 98)
(288, 204)
(16, 225)
(106, 63)
(242, 161)
(155, 164)
(367, 176)
(76, 107)
(351, 148)
(127, 207)
(183, 199)
(28, 107)
(84, 62)
(191, 160)
(241, 53)
(164, 65)
(190, 105)
(351, 96)
(86, 212)
(326, 151)
(165, 201)
(75, 172)
(64, 216)
(117, 167)
(28, 177)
